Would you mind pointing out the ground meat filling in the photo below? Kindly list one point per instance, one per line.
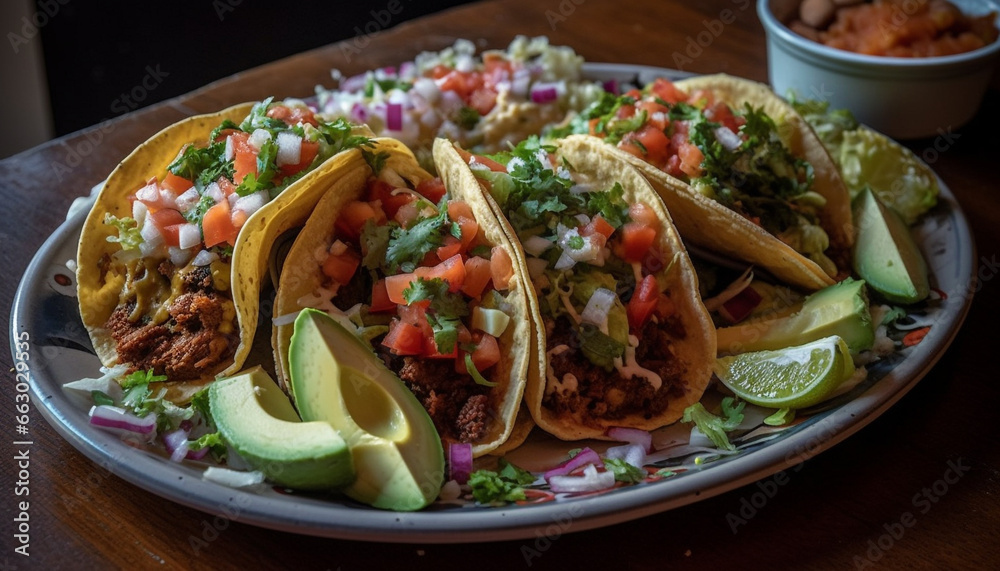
(458, 407)
(602, 395)
(186, 347)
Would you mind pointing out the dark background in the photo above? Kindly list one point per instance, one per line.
(96, 52)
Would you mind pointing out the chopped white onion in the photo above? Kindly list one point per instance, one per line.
(631, 453)
(204, 258)
(590, 481)
(258, 138)
(139, 210)
(535, 245)
(214, 191)
(188, 236)
(252, 202)
(426, 88)
(150, 233)
(232, 478)
(149, 193)
(729, 140)
(289, 148)
(187, 199)
(598, 306)
(178, 257)
(230, 152)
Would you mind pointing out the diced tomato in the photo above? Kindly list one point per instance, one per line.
(636, 241)
(226, 186)
(625, 112)
(244, 156)
(485, 355)
(395, 285)
(469, 158)
(642, 303)
(501, 268)
(656, 113)
(380, 298)
(432, 189)
(431, 348)
(643, 214)
(483, 100)
(407, 213)
(722, 113)
(217, 225)
(461, 213)
(648, 143)
(176, 183)
(462, 83)
(451, 270)
(404, 338)
(292, 115)
(451, 247)
(168, 222)
(598, 225)
(691, 158)
(224, 134)
(667, 91)
(477, 276)
(701, 98)
(382, 191)
(307, 153)
(341, 267)
(353, 217)
(593, 127)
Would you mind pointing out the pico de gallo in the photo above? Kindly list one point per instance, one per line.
(593, 259)
(175, 314)
(732, 155)
(411, 271)
(482, 100)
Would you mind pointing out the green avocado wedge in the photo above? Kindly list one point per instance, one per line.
(885, 254)
(337, 379)
(256, 418)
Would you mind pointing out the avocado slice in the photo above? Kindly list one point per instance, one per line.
(840, 309)
(256, 418)
(338, 379)
(885, 254)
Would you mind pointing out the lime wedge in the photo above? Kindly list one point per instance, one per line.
(794, 377)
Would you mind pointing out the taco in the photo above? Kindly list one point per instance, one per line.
(419, 267)
(739, 170)
(622, 338)
(174, 250)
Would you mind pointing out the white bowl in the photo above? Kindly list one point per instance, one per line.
(905, 98)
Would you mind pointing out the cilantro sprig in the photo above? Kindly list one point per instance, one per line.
(444, 312)
(408, 246)
(716, 427)
(501, 486)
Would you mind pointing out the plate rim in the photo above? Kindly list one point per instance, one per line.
(182, 484)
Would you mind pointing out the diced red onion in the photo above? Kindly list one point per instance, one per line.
(632, 436)
(394, 117)
(359, 113)
(460, 461)
(634, 454)
(611, 86)
(590, 481)
(407, 69)
(204, 258)
(354, 83)
(289, 148)
(177, 444)
(544, 92)
(188, 236)
(107, 416)
(582, 458)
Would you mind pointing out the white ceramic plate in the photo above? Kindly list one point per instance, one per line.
(45, 311)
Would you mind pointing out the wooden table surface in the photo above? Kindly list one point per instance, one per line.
(845, 508)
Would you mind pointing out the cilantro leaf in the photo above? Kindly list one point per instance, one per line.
(129, 236)
(609, 204)
(623, 471)
(408, 246)
(443, 313)
(467, 118)
(375, 160)
(714, 427)
(374, 243)
(507, 485)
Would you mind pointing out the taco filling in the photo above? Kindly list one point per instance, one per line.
(410, 270)
(610, 324)
(174, 313)
(734, 155)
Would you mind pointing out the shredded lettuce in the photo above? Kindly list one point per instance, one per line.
(623, 471)
(128, 231)
(716, 427)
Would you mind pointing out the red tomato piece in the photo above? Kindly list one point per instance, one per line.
(451, 247)
(244, 156)
(293, 115)
(404, 338)
(642, 303)
(485, 355)
(598, 225)
(380, 298)
(353, 217)
(643, 214)
(451, 270)
(648, 143)
(432, 189)
(341, 267)
(667, 91)
(391, 203)
(637, 239)
(477, 276)
(691, 158)
(176, 183)
(307, 153)
(217, 225)
(395, 285)
(501, 268)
